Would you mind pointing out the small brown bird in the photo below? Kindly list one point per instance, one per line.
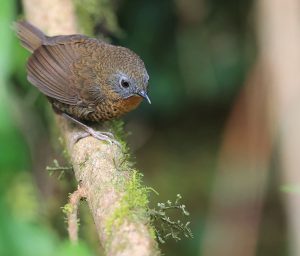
(85, 79)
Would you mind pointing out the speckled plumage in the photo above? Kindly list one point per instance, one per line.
(84, 77)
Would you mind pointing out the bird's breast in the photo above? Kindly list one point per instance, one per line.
(112, 109)
(130, 103)
(105, 110)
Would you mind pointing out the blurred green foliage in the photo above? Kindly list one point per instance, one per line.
(10, 136)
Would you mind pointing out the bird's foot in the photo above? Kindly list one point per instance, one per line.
(88, 131)
(104, 136)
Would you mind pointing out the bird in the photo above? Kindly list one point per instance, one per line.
(85, 79)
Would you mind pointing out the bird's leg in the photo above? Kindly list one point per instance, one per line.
(105, 136)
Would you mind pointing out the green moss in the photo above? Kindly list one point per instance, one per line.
(152, 232)
(117, 127)
(136, 194)
(133, 205)
(67, 209)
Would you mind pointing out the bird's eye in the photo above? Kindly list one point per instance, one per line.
(124, 83)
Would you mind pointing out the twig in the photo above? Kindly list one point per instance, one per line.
(71, 210)
(169, 228)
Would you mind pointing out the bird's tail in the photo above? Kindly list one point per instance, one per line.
(31, 37)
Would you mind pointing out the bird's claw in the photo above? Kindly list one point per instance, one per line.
(103, 136)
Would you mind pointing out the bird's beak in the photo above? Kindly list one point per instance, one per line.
(144, 95)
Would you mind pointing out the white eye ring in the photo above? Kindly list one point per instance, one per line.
(124, 82)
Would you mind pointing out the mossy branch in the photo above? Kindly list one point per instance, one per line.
(113, 191)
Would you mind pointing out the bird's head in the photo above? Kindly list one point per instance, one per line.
(127, 76)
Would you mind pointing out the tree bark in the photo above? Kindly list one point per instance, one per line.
(97, 164)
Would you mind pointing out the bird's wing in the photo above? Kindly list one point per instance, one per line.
(51, 70)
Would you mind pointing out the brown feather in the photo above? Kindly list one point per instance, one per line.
(52, 78)
(30, 36)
